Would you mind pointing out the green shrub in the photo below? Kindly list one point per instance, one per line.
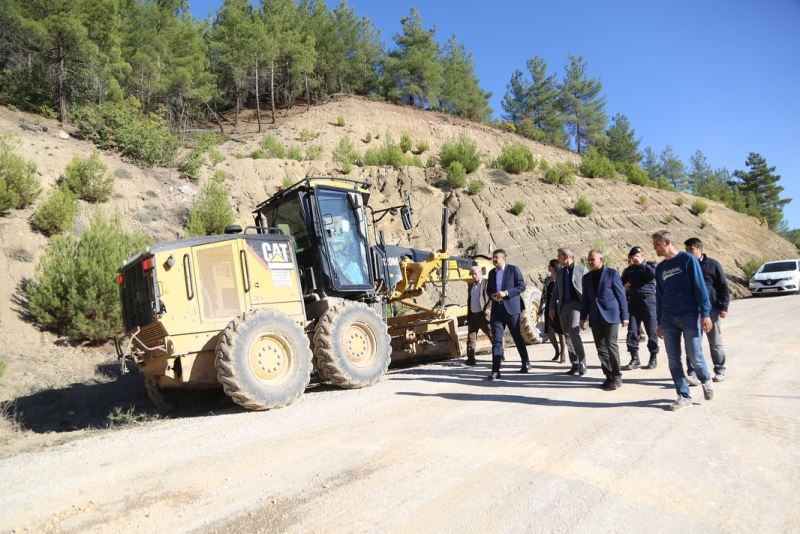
(595, 165)
(308, 135)
(211, 211)
(340, 121)
(208, 140)
(752, 266)
(405, 143)
(517, 208)
(219, 175)
(414, 161)
(456, 175)
(703, 224)
(56, 213)
(272, 147)
(699, 207)
(642, 200)
(215, 156)
(287, 182)
(662, 183)
(19, 184)
(475, 187)
(635, 174)
(430, 162)
(88, 179)
(368, 138)
(582, 208)
(73, 290)
(145, 138)
(680, 201)
(313, 152)
(562, 173)
(388, 154)
(463, 150)
(516, 158)
(295, 152)
(669, 219)
(421, 147)
(190, 165)
(345, 153)
(258, 154)
(543, 165)
(346, 167)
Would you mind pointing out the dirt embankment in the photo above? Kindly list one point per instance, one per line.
(59, 386)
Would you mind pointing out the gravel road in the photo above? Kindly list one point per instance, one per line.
(438, 448)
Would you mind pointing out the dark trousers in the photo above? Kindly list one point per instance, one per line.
(642, 316)
(500, 320)
(475, 322)
(605, 339)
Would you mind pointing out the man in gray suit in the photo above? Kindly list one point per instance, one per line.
(565, 302)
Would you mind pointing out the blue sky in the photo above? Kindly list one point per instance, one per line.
(721, 76)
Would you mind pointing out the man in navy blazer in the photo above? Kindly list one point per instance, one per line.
(505, 286)
(603, 302)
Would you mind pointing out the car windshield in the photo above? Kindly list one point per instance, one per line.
(779, 267)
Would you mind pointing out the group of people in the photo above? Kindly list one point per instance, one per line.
(677, 300)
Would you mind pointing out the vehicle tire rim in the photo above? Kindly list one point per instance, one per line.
(360, 347)
(271, 358)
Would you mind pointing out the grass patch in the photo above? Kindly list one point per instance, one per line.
(582, 207)
(272, 147)
(517, 208)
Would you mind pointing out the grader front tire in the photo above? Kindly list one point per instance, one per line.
(530, 316)
(352, 347)
(263, 360)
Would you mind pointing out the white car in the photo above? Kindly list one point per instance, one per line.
(781, 276)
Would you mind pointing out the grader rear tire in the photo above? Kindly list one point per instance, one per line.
(352, 347)
(530, 316)
(263, 360)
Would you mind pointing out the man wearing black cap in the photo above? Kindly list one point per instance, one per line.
(639, 279)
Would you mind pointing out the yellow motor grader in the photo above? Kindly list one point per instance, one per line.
(310, 287)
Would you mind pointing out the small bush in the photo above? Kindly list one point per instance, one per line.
(669, 219)
(595, 165)
(662, 183)
(388, 154)
(258, 154)
(313, 152)
(456, 175)
(272, 147)
(308, 135)
(88, 179)
(475, 187)
(295, 152)
(421, 147)
(287, 182)
(19, 185)
(145, 138)
(414, 161)
(368, 138)
(699, 207)
(405, 143)
(636, 175)
(340, 121)
(582, 208)
(56, 213)
(430, 162)
(190, 165)
(516, 158)
(208, 140)
(703, 224)
(543, 165)
(751, 267)
(680, 201)
(345, 152)
(642, 201)
(463, 150)
(211, 212)
(215, 157)
(562, 173)
(73, 289)
(346, 167)
(517, 208)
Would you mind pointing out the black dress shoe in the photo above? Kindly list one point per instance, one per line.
(493, 376)
(523, 369)
(573, 371)
(556, 357)
(582, 370)
(606, 384)
(470, 361)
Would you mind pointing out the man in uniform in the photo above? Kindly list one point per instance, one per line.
(639, 279)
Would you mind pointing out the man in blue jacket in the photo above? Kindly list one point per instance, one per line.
(505, 286)
(603, 302)
(682, 306)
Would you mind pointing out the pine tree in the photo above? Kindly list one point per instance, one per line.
(583, 105)
(673, 168)
(622, 147)
(461, 91)
(760, 185)
(700, 172)
(413, 72)
(515, 101)
(650, 164)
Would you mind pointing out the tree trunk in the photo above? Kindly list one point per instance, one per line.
(216, 118)
(258, 104)
(238, 105)
(272, 88)
(308, 96)
(62, 90)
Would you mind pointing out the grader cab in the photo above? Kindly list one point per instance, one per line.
(310, 287)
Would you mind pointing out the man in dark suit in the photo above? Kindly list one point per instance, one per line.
(479, 306)
(505, 286)
(604, 304)
(565, 302)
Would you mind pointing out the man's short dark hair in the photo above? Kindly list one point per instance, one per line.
(500, 251)
(694, 243)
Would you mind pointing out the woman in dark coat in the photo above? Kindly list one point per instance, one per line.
(552, 327)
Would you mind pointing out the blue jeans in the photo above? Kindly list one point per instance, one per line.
(673, 326)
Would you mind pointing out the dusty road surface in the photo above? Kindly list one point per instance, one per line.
(438, 448)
